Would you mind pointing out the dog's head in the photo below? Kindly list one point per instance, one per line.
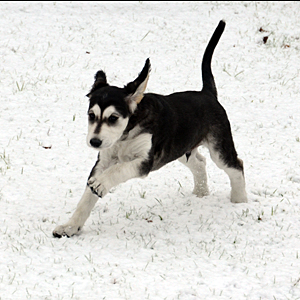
(111, 107)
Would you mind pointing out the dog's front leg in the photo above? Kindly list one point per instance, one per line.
(100, 183)
(82, 212)
(86, 204)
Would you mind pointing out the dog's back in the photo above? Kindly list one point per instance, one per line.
(185, 117)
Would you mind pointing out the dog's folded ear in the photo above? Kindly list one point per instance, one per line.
(100, 81)
(136, 88)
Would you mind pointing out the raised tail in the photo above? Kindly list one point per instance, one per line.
(207, 76)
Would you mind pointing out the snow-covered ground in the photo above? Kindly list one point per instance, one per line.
(151, 238)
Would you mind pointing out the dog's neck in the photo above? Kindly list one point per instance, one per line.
(135, 119)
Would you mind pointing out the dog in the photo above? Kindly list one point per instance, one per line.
(137, 133)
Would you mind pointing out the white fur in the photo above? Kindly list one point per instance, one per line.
(96, 110)
(117, 164)
(237, 179)
(197, 164)
(109, 133)
(82, 212)
(120, 163)
(108, 111)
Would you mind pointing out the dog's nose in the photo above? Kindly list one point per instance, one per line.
(96, 143)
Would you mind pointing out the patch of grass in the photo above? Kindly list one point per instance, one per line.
(142, 194)
(20, 86)
(5, 158)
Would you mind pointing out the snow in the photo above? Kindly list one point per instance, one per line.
(150, 238)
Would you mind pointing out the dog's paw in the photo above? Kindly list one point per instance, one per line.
(201, 191)
(66, 230)
(97, 187)
(238, 197)
(242, 199)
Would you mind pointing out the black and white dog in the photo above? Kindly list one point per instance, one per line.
(136, 133)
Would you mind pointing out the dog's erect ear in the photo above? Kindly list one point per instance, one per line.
(100, 81)
(136, 88)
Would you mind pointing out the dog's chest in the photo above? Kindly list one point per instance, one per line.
(135, 146)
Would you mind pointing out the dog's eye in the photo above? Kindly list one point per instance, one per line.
(92, 116)
(113, 119)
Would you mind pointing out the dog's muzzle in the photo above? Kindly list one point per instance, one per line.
(96, 143)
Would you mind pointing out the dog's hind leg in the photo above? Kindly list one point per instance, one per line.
(197, 164)
(227, 160)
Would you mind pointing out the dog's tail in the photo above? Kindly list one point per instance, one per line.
(207, 76)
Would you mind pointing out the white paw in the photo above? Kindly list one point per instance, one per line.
(98, 186)
(201, 190)
(238, 197)
(66, 230)
(201, 193)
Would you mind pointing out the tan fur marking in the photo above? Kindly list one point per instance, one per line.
(139, 94)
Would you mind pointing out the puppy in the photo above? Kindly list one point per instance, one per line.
(136, 133)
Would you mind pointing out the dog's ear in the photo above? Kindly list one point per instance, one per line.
(100, 81)
(136, 88)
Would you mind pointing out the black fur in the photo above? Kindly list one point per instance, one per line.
(100, 81)
(207, 76)
(175, 125)
(110, 95)
(179, 122)
(131, 87)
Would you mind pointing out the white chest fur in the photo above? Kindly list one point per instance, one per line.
(136, 146)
